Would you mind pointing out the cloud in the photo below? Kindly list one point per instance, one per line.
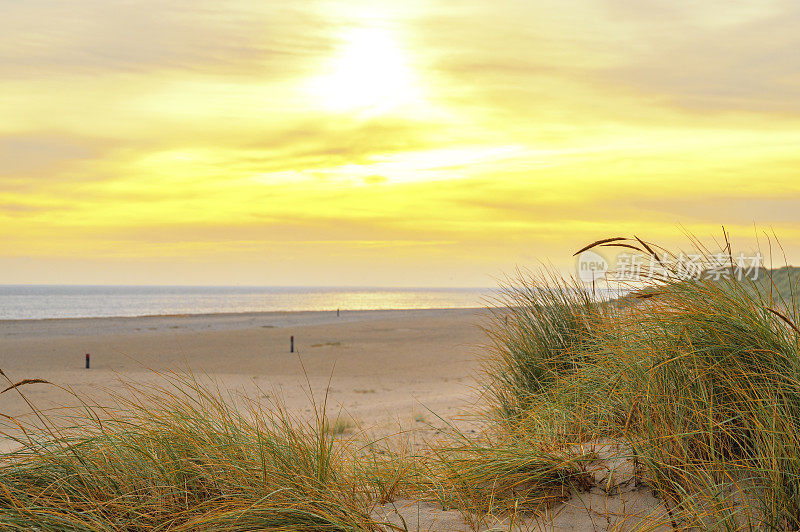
(46, 39)
(185, 129)
(747, 63)
(43, 155)
(616, 59)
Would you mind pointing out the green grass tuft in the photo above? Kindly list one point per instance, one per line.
(700, 379)
(182, 458)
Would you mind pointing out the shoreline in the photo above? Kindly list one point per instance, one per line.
(50, 303)
(224, 314)
(110, 325)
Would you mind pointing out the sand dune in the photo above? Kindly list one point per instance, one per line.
(386, 370)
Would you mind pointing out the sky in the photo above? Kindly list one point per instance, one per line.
(384, 143)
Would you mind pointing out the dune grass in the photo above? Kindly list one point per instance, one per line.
(699, 378)
(182, 458)
(498, 476)
(509, 475)
(537, 335)
(339, 425)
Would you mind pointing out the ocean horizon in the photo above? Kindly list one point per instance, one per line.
(100, 301)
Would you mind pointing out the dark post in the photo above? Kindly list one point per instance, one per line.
(87, 360)
(291, 345)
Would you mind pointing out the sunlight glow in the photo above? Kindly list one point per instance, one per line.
(369, 74)
(275, 143)
(410, 167)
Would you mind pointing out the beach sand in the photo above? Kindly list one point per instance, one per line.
(388, 371)
(384, 367)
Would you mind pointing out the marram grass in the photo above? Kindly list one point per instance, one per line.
(700, 379)
(182, 458)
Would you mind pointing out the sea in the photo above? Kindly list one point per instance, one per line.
(70, 301)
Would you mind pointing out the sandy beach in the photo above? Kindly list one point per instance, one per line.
(389, 372)
(384, 367)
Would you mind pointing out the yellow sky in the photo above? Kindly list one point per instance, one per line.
(385, 143)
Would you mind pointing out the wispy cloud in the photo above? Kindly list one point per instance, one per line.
(181, 133)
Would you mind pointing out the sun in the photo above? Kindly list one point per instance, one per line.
(370, 73)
